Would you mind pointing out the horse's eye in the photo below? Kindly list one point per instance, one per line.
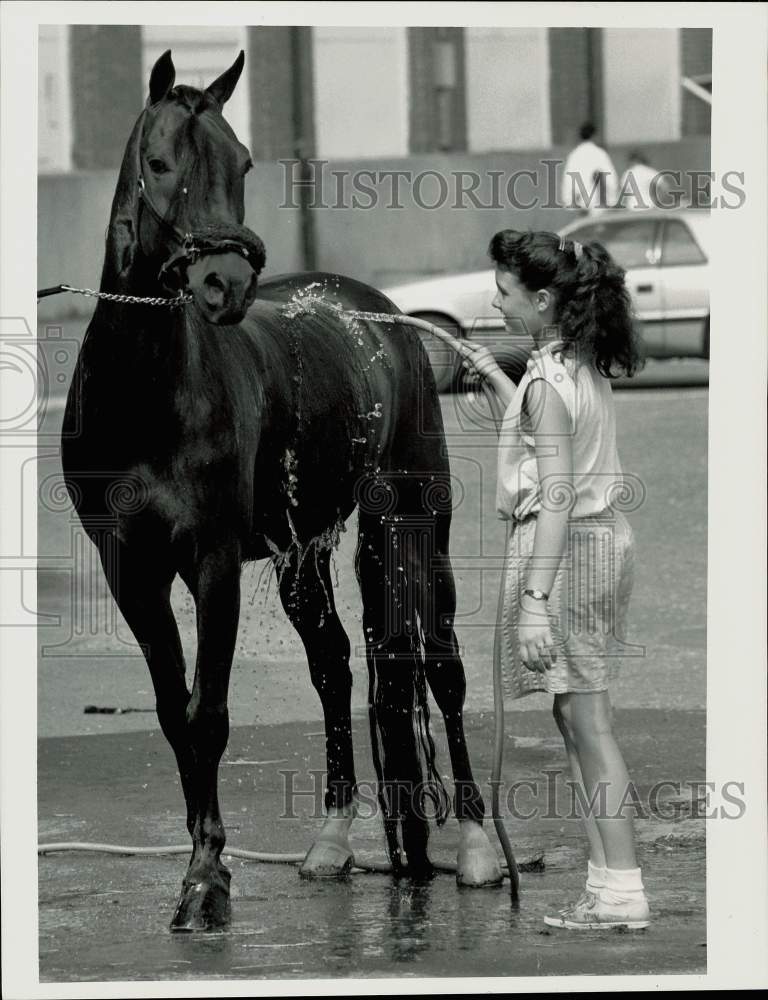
(158, 167)
(247, 167)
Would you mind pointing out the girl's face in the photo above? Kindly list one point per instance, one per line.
(522, 310)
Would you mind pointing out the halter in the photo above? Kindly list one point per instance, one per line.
(192, 245)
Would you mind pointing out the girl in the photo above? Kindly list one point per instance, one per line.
(569, 559)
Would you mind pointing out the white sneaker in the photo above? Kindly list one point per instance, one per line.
(592, 913)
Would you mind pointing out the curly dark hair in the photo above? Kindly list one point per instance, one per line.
(593, 309)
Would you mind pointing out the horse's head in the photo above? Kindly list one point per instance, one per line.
(191, 170)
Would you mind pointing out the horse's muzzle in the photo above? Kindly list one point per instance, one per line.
(223, 286)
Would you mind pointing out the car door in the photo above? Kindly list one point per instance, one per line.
(634, 245)
(685, 289)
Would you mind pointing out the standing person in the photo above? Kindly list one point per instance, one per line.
(569, 561)
(589, 180)
(640, 185)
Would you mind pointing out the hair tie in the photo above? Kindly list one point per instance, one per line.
(577, 247)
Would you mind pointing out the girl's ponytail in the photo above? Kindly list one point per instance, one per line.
(597, 315)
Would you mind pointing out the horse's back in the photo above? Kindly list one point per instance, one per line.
(386, 361)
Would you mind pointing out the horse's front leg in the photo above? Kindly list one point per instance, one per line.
(215, 583)
(306, 592)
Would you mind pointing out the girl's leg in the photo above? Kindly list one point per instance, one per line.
(604, 775)
(619, 899)
(561, 710)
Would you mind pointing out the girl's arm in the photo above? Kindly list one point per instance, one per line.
(554, 461)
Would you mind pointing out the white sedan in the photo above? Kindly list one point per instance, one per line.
(664, 254)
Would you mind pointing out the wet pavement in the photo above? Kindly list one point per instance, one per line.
(107, 778)
(105, 918)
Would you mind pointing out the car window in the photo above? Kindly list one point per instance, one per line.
(679, 246)
(630, 242)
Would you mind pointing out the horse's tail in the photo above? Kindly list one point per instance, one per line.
(434, 790)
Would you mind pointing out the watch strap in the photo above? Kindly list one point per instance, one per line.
(537, 595)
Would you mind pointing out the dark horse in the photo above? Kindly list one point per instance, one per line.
(231, 427)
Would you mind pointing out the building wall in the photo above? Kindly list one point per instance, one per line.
(339, 92)
(569, 91)
(695, 58)
(507, 88)
(361, 91)
(107, 91)
(641, 84)
(54, 122)
(281, 83)
(437, 86)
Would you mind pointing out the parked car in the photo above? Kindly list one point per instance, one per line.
(666, 257)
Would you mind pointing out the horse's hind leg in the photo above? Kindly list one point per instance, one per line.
(307, 596)
(477, 861)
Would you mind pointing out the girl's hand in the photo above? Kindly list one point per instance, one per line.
(478, 360)
(537, 649)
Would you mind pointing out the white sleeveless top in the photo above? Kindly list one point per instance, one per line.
(597, 472)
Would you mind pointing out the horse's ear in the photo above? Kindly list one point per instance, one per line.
(162, 78)
(223, 87)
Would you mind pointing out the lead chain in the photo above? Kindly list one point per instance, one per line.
(172, 303)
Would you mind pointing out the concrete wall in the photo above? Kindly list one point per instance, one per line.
(380, 244)
(361, 90)
(507, 88)
(107, 91)
(641, 61)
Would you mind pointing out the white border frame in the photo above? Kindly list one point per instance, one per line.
(737, 877)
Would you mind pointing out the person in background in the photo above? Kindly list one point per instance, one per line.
(640, 185)
(589, 181)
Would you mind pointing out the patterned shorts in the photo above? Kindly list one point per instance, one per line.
(587, 605)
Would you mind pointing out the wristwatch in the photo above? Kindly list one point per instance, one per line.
(537, 595)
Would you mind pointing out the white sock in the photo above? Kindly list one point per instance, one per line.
(595, 878)
(622, 885)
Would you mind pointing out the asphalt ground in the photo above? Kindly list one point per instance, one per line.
(106, 918)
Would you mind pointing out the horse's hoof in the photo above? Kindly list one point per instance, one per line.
(327, 859)
(420, 869)
(477, 864)
(204, 905)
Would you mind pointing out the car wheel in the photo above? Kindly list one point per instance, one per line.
(442, 358)
(705, 341)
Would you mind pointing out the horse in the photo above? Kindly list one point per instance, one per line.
(231, 421)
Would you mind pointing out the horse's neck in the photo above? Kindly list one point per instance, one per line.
(135, 337)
